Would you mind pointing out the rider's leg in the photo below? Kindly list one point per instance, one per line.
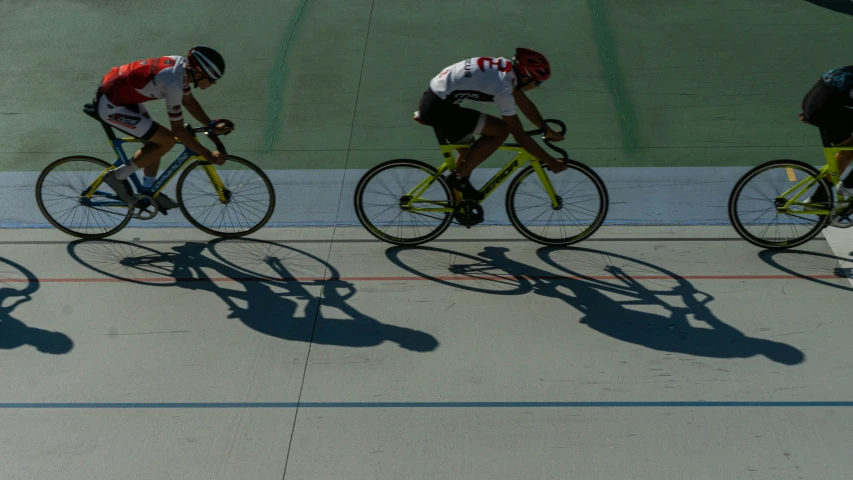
(493, 134)
(844, 159)
(148, 157)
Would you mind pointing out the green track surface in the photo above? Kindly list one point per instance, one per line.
(333, 83)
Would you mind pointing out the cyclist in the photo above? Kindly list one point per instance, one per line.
(826, 106)
(119, 99)
(485, 79)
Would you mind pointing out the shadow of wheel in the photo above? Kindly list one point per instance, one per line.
(126, 261)
(458, 270)
(616, 273)
(821, 268)
(16, 280)
(271, 260)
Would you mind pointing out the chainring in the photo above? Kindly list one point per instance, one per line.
(468, 213)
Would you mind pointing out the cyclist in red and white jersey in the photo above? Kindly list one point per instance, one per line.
(125, 88)
(487, 79)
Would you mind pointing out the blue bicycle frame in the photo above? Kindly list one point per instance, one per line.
(121, 158)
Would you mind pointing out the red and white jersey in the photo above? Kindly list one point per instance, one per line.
(149, 79)
(481, 79)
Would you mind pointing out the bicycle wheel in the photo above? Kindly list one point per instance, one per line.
(752, 207)
(380, 192)
(59, 195)
(582, 198)
(250, 198)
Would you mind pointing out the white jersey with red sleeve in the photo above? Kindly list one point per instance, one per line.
(481, 79)
(149, 79)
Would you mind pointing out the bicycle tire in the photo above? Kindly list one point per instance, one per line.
(444, 218)
(600, 213)
(751, 174)
(80, 186)
(236, 232)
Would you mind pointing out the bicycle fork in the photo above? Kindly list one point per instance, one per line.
(223, 193)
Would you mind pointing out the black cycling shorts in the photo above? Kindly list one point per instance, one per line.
(454, 122)
(826, 109)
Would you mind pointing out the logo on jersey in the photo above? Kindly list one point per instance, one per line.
(473, 96)
(125, 120)
(499, 64)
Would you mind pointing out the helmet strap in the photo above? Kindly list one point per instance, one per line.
(523, 81)
(195, 77)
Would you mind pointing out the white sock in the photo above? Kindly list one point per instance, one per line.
(126, 170)
(148, 181)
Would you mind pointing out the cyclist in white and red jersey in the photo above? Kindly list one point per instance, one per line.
(487, 79)
(119, 101)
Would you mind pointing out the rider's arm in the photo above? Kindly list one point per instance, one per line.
(532, 113)
(517, 130)
(192, 106)
(189, 140)
(174, 98)
(528, 108)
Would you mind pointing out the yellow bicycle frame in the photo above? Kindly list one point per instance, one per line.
(803, 186)
(414, 196)
(180, 162)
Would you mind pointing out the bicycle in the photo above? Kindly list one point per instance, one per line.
(786, 183)
(88, 208)
(425, 199)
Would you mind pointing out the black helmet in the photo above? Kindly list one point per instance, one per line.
(207, 61)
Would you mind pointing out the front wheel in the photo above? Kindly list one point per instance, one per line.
(755, 209)
(62, 194)
(581, 208)
(248, 204)
(386, 208)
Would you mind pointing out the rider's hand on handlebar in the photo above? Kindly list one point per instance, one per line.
(222, 126)
(555, 165)
(552, 135)
(216, 157)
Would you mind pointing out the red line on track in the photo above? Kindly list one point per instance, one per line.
(460, 278)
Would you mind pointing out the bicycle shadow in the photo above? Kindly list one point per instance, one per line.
(266, 302)
(840, 6)
(822, 268)
(13, 332)
(638, 284)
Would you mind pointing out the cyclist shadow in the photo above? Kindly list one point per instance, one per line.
(611, 314)
(268, 302)
(13, 332)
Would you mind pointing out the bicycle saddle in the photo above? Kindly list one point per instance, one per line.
(803, 119)
(89, 109)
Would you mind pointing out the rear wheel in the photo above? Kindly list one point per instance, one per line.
(383, 191)
(61, 196)
(753, 205)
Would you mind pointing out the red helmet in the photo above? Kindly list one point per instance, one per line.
(532, 64)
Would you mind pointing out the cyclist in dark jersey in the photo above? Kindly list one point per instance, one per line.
(487, 79)
(826, 106)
